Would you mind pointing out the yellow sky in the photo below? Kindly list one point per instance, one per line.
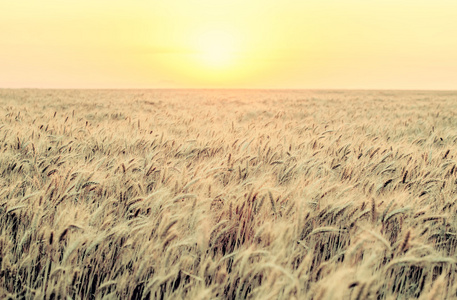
(229, 44)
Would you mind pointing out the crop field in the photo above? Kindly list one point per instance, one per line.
(228, 194)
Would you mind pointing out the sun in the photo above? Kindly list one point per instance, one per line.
(217, 55)
(216, 49)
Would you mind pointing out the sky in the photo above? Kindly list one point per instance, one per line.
(303, 44)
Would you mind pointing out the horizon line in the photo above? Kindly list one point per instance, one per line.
(232, 88)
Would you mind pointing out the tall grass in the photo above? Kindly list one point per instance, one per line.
(228, 194)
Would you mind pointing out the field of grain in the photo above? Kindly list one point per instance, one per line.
(207, 194)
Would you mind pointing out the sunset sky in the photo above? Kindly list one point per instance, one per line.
(350, 44)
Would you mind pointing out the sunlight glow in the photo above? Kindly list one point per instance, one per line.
(216, 49)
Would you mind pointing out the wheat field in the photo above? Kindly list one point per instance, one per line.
(219, 194)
